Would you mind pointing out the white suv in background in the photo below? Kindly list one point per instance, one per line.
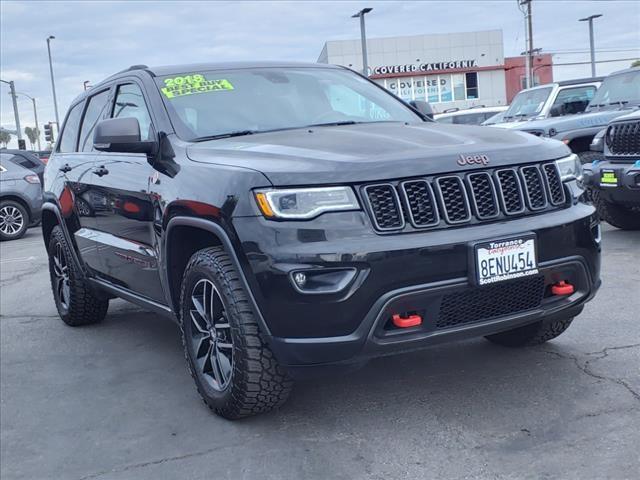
(550, 100)
(470, 116)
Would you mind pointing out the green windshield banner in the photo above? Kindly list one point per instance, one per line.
(192, 84)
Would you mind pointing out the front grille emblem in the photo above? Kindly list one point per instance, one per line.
(473, 160)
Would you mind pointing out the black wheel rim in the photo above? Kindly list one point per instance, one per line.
(61, 277)
(211, 340)
(11, 220)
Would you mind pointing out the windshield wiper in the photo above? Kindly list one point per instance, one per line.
(333, 124)
(239, 133)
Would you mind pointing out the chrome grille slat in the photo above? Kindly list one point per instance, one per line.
(421, 203)
(510, 191)
(555, 189)
(453, 198)
(533, 187)
(483, 195)
(385, 206)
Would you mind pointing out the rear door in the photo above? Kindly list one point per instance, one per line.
(127, 250)
(75, 174)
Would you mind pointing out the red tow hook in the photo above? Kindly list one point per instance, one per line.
(406, 322)
(562, 288)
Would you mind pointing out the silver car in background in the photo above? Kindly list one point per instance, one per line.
(20, 199)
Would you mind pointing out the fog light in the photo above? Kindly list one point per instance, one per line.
(300, 279)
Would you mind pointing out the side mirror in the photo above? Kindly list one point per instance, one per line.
(121, 135)
(423, 107)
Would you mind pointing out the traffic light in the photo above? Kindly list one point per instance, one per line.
(48, 132)
(22, 144)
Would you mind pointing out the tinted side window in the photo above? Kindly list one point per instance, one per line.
(67, 142)
(92, 115)
(25, 162)
(130, 103)
(469, 119)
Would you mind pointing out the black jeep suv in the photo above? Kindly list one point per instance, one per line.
(296, 217)
(614, 181)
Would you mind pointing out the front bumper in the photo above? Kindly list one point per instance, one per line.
(617, 182)
(414, 272)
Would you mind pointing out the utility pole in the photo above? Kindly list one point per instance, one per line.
(525, 8)
(53, 84)
(35, 115)
(363, 38)
(12, 89)
(591, 41)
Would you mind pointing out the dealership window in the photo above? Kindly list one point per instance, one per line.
(435, 88)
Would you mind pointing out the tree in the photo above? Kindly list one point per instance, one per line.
(5, 137)
(32, 134)
(635, 64)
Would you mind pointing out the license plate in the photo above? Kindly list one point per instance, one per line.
(501, 260)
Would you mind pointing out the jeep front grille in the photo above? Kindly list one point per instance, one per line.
(462, 198)
(624, 138)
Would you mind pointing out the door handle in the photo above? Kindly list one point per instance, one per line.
(65, 168)
(101, 171)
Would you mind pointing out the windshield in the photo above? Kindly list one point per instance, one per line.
(243, 101)
(528, 103)
(624, 87)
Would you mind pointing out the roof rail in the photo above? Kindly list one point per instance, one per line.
(449, 110)
(132, 67)
(479, 106)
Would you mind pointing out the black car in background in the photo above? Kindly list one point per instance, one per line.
(295, 217)
(614, 179)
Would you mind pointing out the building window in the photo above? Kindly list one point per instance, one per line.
(472, 85)
(458, 87)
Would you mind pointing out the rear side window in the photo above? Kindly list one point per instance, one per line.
(92, 115)
(469, 119)
(25, 162)
(130, 103)
(69, 135)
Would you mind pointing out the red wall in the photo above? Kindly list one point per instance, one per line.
(514, 72)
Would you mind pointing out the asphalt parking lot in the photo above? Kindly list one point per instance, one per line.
(115, 401)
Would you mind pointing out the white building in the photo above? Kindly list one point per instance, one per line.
(447, 70)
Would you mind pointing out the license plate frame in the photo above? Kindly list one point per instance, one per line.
(527, 240)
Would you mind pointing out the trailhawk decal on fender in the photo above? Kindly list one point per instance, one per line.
(192, 84)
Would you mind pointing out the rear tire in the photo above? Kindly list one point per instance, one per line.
(234, 369)
(77, 303)
(14, 220)
(619, 216)
(532, 334)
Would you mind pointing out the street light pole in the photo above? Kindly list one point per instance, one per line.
(12, 88)
(363, 38)
(591, 42)
(53, 84)
(35, 115)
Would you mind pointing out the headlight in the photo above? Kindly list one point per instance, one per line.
(305, 203)
(570, 168)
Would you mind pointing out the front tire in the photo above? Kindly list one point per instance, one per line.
(14, 220)
(532, 334)
(619, 216)
(77, 303)
(234, 370)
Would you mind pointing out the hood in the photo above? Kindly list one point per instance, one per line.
(574, 122)
(509, 125)
(372, 152)
(629, 116)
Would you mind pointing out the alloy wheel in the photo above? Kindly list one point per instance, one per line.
(211, 341)
(11, 220)
(61, 274)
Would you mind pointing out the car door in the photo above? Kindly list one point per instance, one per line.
(72, 184)
(128, 255)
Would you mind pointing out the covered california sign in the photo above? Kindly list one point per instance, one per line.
(424, 67)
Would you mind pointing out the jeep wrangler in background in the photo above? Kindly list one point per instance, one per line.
(549, 100)
(618, 95)
(295, 217)
(614, 182)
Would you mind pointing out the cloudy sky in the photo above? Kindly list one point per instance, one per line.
(97, 38)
